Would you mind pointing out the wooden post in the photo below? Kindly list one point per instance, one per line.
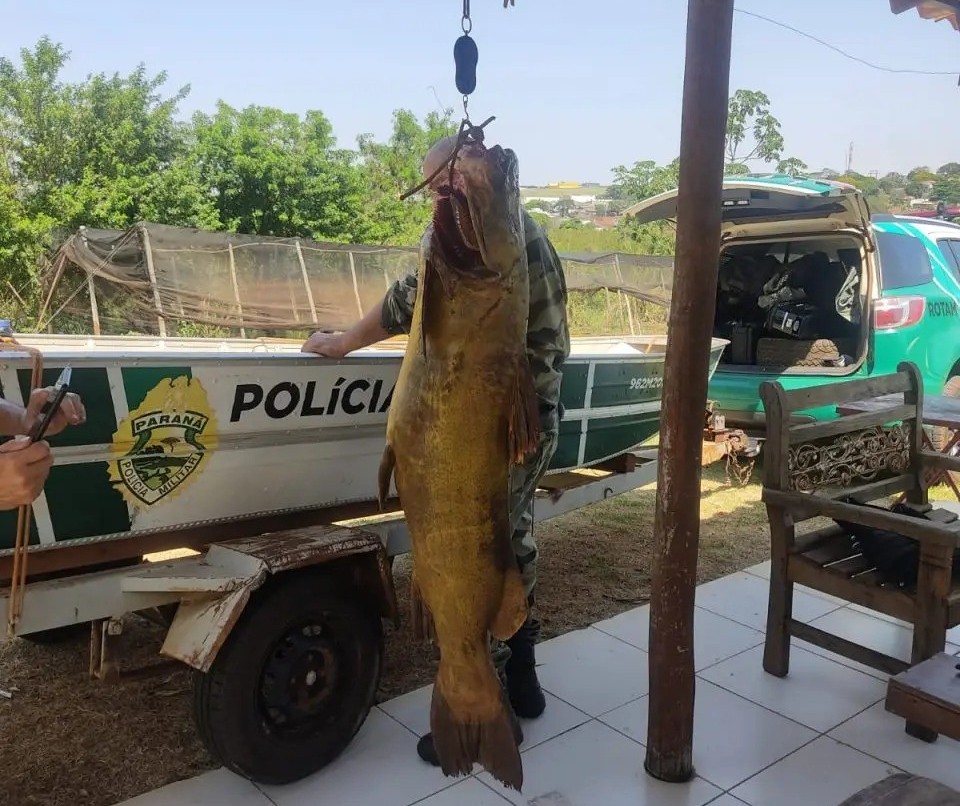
(148, 255)
(60, 265)
(94, 308)
(356, 285)
(306, 285)
(236, 290)
(706, 85)
(624, 297)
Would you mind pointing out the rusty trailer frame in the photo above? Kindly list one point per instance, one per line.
(235, 595)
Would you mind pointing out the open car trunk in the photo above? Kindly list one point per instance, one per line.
(794, 281)
(792, 305)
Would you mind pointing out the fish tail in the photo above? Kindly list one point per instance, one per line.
(524, 432)
(492, 743)
(384, 473)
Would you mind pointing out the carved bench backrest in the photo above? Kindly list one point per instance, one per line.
(851, 450)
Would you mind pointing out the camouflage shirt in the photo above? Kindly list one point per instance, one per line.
(548, 340)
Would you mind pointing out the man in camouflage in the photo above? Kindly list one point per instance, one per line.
(548, 346)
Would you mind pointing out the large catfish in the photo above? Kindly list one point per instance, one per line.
(464, 408)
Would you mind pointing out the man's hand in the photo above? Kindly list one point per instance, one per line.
(329, 345)
(71, 411)
(24, 468)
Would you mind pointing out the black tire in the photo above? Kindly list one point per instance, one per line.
(940, 436)
(302, 625)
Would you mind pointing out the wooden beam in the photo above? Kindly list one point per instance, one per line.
(706, 87)
(148, 254)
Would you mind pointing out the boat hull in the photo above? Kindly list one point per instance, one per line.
(184, 432)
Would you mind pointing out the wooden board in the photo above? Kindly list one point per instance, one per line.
(904, 789)
(928, 694)
(937, 409)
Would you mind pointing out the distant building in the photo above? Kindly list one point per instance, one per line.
(605, 221)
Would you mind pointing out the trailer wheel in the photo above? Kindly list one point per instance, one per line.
(293, 682)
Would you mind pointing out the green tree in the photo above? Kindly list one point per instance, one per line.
(135, 160)
(753, 133)
(893, 181)
(105, 152)
(38, 113)
(564, 206)
(867, 184)
(23, 240)
(793, 166)
(947, 189)
(736, 169)
(877, 197)
(643, 180)
(949, 169)
(275, 173)
(389, 169)
(921, 174)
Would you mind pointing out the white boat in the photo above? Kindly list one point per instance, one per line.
(185, 432)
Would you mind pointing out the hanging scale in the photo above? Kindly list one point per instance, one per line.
(465, 56)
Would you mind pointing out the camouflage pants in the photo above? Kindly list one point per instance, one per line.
(523, 484)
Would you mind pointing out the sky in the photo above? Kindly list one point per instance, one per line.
(577, 87)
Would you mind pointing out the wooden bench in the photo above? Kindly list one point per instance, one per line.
(808, 469)
(928, 694)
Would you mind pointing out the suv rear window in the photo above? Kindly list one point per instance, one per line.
(903, 260)
(951, 251)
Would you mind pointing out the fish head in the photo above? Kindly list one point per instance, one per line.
(477, 220)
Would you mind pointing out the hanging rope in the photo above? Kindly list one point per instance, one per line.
(21, 546)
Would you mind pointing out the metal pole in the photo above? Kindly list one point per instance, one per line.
(706, 85)
(148, 255)
(236, 290)
(306, 284)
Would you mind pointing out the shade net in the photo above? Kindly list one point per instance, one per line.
(154, 278)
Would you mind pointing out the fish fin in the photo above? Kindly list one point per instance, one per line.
(420, 619)
(493, 744)
(387, 464)
(513, 607)
(524, 415)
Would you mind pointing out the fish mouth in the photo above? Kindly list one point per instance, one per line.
(456, 234)
(454, 230)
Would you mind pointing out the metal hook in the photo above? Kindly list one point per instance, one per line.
(466, 132)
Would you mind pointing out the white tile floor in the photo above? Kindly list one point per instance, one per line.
(815, 737)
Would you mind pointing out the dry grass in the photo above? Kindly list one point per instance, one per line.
(65, 740)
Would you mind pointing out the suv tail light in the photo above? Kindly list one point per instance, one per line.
(895, 312)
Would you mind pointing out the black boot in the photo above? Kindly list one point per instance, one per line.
(523, 688)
